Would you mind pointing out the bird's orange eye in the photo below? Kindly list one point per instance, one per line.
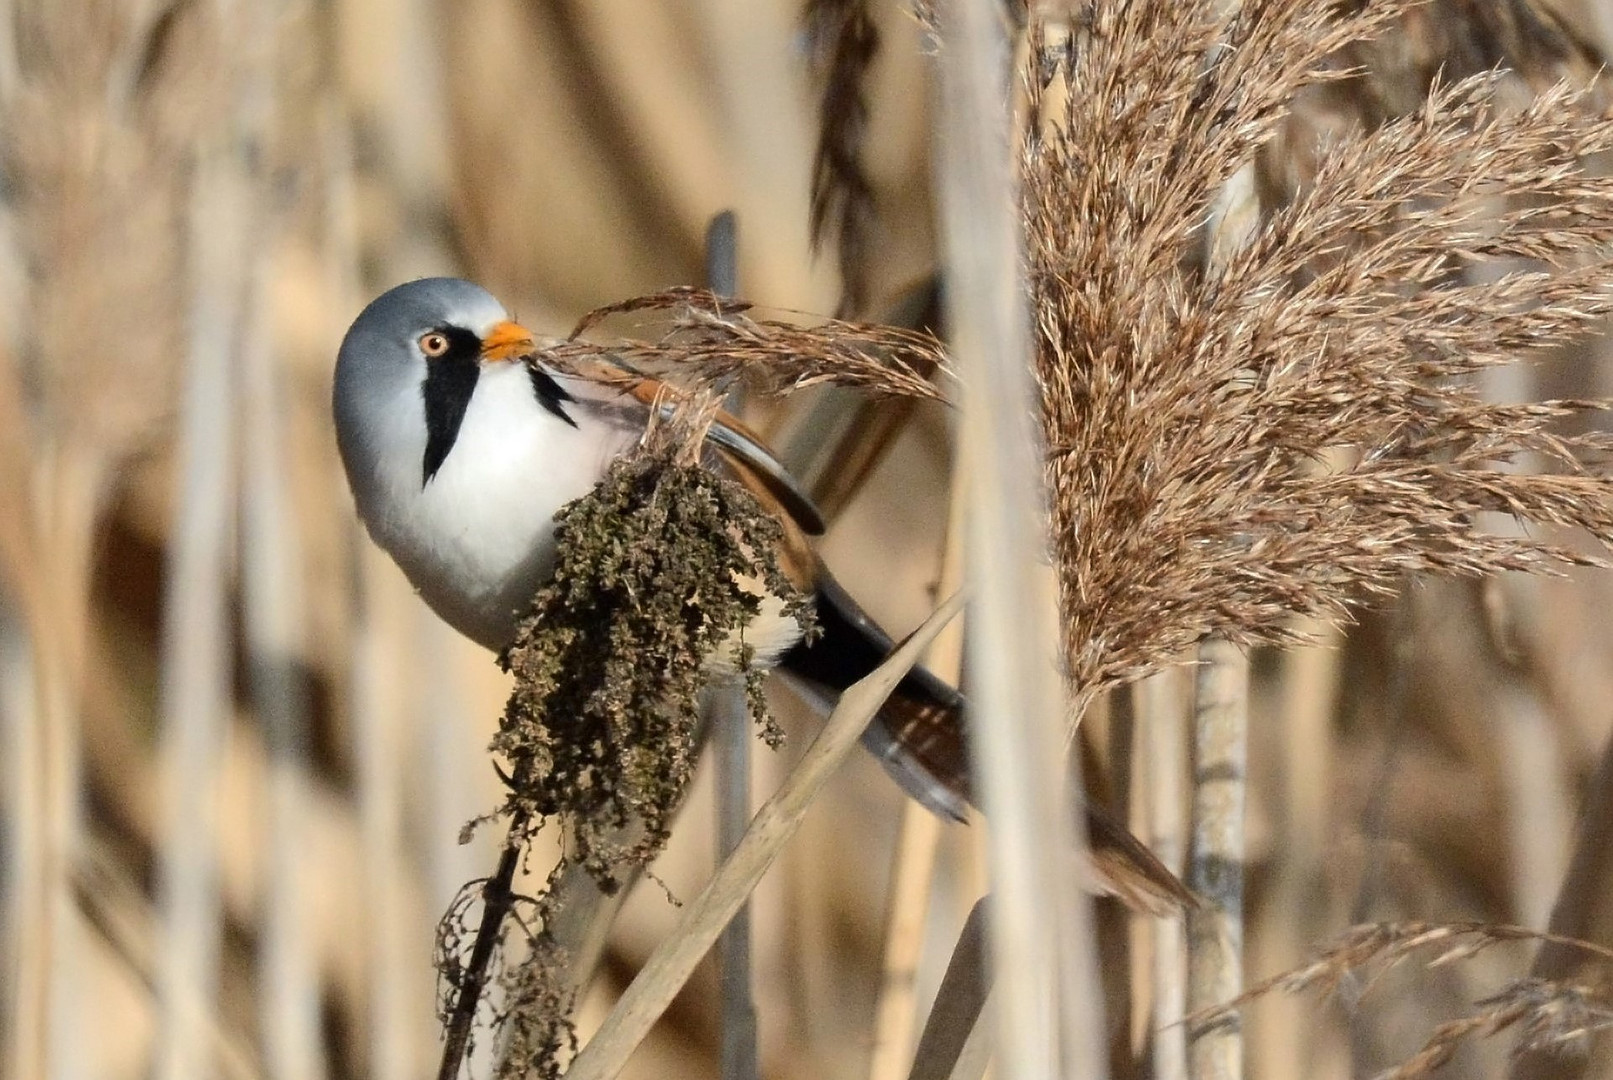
(433, 344)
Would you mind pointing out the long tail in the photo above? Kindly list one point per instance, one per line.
(919, 737)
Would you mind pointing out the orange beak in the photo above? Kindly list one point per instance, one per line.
(507, 341)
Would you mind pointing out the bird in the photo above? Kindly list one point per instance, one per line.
(460, 446)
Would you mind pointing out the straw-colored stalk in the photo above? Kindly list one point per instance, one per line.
(1048, 1018)
(272, 611)
(92, 157)
(917, 844)
(1538, 818)
(376, 706)
(670, 966)
(116, 902)
(196, 671)
(69, 486)
(1294, 916)
(955, 1044)
(1162, 715)
(1215, 870)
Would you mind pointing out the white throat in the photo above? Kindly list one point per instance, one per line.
(478, 539)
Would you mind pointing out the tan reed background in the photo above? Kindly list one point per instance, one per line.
(238, 753)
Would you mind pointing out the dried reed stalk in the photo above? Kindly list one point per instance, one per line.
(731, 748)
(272, 620)
(906, 910)
(196, 659)
(1215, 930)
(954, 1042)
(376, 704)
(1294, 916)
(1584, 911)
(1162, 715)
(670, 966)
(1049, 1015)
(917, 844)
(1216, 857)
(728, 718)
(114, 901)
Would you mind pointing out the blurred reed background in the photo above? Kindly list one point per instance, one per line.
(238, 752)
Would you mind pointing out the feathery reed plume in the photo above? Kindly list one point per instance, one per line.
(845, 42)
(1185, 410)
(1452, 39)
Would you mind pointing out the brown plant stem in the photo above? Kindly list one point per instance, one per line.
(497, 899)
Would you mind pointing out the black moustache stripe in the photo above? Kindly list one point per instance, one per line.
(551, 395)
(450, 381)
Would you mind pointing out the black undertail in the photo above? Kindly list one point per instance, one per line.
(919, 734)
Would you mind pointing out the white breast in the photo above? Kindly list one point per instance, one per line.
(478, 539)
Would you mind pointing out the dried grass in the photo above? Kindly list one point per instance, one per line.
(1551, 1017)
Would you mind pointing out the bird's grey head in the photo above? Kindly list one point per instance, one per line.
(407, 368)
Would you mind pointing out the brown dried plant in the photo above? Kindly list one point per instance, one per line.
(1189, 414)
